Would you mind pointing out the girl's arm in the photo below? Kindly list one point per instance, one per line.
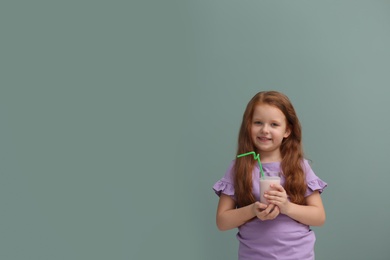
(312, 214)
(229, 217)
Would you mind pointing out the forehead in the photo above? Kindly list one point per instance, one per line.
(268, 112)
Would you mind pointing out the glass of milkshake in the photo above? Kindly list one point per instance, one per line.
(265, 183)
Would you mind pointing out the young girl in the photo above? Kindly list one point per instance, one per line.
(281, 229)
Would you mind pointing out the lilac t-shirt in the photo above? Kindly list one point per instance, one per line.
(281, 238)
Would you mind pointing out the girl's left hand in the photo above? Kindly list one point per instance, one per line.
(278, 196)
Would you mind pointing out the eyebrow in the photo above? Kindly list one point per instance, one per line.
(272, 120)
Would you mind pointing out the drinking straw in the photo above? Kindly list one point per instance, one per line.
(255, 156)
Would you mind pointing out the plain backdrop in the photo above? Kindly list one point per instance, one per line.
(117, 117)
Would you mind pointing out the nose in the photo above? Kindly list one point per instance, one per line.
(265, 128)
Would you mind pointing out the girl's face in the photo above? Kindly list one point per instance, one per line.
(268, 129)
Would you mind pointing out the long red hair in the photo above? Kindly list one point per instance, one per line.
(291, 151)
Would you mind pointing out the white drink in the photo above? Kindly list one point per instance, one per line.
(265, 183)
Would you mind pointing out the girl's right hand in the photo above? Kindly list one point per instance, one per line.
(265, 212)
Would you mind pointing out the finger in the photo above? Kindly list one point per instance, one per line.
(275, 202)
(263, 213)
(277, 187)
(260, 205)
(274, 213)
(269, 209)
(272, 193)
(272, 197)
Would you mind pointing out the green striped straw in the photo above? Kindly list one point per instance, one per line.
(255, 156)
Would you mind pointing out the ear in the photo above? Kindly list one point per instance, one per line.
(287, 133)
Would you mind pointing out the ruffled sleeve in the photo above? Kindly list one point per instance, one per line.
(225, 185)
(316, 184)
(313, 181)
(222, 186)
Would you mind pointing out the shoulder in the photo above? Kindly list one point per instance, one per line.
(307, 169)
(306, 165)
(229, 173)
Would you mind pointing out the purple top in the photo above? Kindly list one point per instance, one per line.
(282, 237)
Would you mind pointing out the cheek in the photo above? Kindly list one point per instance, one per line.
(253, 134)
(253, 131)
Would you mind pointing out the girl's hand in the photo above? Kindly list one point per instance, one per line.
(278, 196)
(265, 212)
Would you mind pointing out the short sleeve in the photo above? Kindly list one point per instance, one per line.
(226, 184)
(312, 180)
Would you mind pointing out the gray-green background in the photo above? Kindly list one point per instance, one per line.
(117, 117)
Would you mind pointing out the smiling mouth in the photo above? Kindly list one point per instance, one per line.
(264, 139)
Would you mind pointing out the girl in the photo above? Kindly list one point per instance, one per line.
(281, 229)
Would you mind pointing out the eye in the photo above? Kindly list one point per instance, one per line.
(258, 122)
(274, 125)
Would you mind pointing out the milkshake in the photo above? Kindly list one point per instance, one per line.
(265, 183)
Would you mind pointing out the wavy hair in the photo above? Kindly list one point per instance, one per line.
(291, 151)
